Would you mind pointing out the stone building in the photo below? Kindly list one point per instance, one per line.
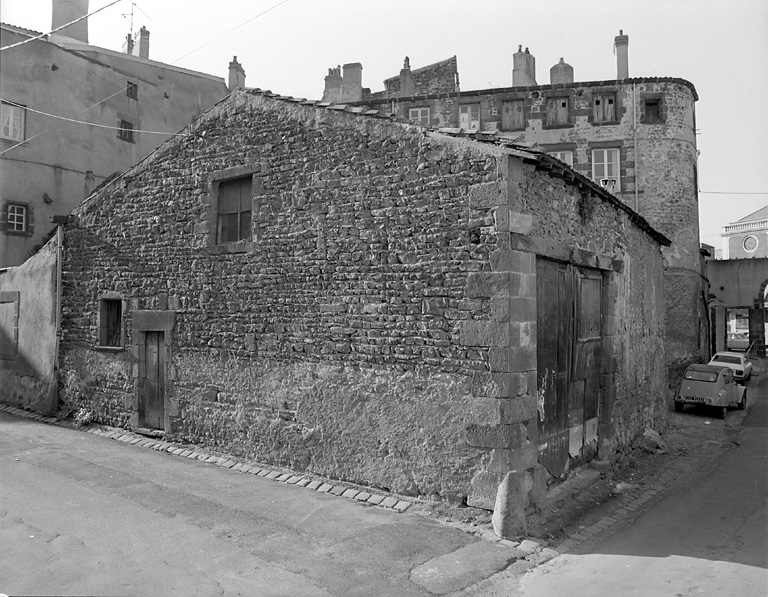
(73, 114)
(636, 136)
(332, 291)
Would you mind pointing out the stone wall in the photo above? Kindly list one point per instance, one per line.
(379, 326)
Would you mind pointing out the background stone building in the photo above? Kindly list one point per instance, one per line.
(72, 115)
(636, 136)
(747, 238)
(345, 295)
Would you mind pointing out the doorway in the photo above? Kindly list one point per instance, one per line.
(152, 399)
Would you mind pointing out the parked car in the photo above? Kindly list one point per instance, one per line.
(712, 386)
(737, 341)
(738, 362)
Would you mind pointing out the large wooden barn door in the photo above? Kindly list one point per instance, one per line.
(569, 323)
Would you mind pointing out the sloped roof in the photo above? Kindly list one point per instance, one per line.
(760, 214)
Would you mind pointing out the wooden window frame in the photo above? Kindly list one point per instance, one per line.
(132, 90)
(552, 119)
(598, 108)
(14, 113)
(245, 206)
(617, 188)
(417, 115)
(111, 322)
(125, 131)
(468, 109)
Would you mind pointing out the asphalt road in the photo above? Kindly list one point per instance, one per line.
(84, 515)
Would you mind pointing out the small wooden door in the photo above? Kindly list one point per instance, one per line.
(153, 391)
(569, 328)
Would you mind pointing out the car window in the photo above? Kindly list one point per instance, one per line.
(727, 376)
(721, 358)
(694, 375)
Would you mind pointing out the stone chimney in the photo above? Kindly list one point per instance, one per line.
(352, 83)
(561, 73)
(66, 11)
(523, 68)
(144, 43)
(621, 43)
(236, 75)
(332, 91)
(128, 45)
(407, 82)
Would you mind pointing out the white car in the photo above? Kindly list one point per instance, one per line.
(738, 362)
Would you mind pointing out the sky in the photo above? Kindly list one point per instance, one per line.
(287, 46)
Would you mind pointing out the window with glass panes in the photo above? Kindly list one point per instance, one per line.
(420, 115)
(605, 166)
(234, 211)
(16, 217)
(12, 121)
(563, 156)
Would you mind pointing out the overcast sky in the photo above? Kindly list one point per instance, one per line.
(287, 46)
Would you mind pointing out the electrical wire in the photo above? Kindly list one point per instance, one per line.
(730, 193)
(101, 126)
(26, 41)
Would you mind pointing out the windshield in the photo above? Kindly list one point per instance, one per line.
(726, 359)
(701, 375)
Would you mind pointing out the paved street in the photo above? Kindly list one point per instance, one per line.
(708, 539)
(81, 514)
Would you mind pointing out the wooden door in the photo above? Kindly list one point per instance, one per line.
(569, 324)
(153, 393)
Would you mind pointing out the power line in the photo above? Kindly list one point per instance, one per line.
(730, 193)
(26, 41)
(230, 31)
(101, 126)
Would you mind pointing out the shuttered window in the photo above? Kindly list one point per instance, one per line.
(557, 111)
(604, 108)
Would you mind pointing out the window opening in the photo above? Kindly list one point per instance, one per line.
(605, 168)
(604, 109)
(419, 115)
(16, 217)
(12, 119)
(132, 90)
(125, 131)
(469, 117)
(234, 211)
(557, 111)
(513, 114)
(563, 156)
(111, 322)
(652, 110)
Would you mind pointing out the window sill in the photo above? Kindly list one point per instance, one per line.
(238, 247)
(15, 232)
(99, 348)
(556, 126)
(606, 123)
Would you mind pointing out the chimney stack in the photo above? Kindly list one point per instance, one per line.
(332, 91)
(407, 82)
(144, 43)
(352, 83)
(523, 68)
(621, 42)
(66, 11)
(236, 75)
(561, 73)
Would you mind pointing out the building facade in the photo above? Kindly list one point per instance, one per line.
(72, 115)
(635, 136)
(366, 300)
(747, 238)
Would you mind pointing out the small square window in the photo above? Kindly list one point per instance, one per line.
(12, 121)
(111, 322)
(604, 108)
(419, 115)
(234, 210)
(653, 111)
(16, 218)
(125, 131)
(132, 90)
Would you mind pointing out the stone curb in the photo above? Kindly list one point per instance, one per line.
(391, 503)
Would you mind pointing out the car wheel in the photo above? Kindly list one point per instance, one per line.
(743, 402)
(722, 412)
(679, 406)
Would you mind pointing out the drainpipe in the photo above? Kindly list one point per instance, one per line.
(634, 132)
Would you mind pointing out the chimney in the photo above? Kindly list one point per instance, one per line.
(621, 43)
(144, 43)
(236, 75)
(352, 83)
(407, 83)
(561, 73)
(332, 91)
(523, 68)
(66, 11)
(128, 45)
